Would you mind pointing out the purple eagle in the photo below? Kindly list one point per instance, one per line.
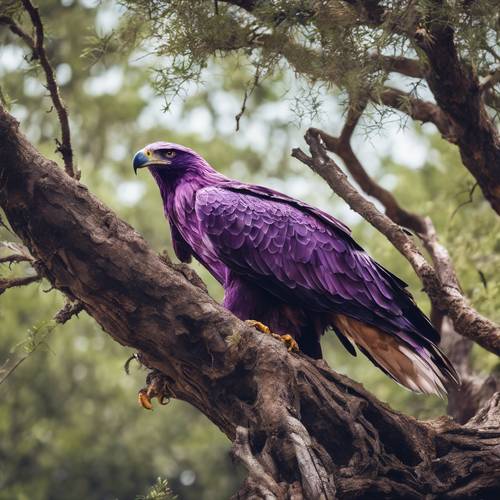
(294, 270)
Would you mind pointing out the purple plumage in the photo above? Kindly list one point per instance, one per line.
(294, 268)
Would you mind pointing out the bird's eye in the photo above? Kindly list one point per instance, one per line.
(148, 153)
(170, 154)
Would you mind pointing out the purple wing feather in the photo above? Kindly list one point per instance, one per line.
(299, 253)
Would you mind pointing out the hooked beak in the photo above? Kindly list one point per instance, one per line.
(141, 161)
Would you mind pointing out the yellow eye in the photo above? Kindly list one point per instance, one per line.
(148, 153)
(170, 154)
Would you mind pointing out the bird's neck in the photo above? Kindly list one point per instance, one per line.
(177, 183)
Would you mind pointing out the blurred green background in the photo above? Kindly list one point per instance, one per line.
(70, 427)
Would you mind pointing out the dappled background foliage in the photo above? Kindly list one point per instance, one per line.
(69, 424)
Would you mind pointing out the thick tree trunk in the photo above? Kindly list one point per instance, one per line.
(301, 430)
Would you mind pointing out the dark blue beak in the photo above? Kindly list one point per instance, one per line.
(140, 160)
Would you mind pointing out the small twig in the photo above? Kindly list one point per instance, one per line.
(398, 64)
(470, 199)
(14, 259)
(489, 81)
(15, 282)
(37, 47)
(69, 310)
(242, 111)
(17, 30)
(20, 253)
(418, 109)
(248, 93)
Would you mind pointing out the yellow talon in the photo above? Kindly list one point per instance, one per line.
(156, 388)
(258, 325)
(144, 400)
(288, 340)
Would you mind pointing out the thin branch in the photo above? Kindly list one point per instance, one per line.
(17, 30)
(15, 282)
(13, 362)
(444, 297)
(69, 310)
(248, 92)
(14, 259)
(341, 146)
(489, 81)
(37, 47)
(19, 253)
(418, 109)
(412, 68)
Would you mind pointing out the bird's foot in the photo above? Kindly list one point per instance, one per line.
(288, 340)
(156, 388)
(258, 326)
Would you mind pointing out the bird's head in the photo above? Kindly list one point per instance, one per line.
(163, 158)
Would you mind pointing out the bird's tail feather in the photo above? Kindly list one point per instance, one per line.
(421, 368)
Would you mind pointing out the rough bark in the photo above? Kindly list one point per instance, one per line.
(301, 430)
(458, 93)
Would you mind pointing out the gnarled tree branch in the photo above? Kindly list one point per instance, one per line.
(445, 297)
(315, 433)
(477, 388)
(457, 91)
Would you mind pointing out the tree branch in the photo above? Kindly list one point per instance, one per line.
(17, 30)
(444, 297)
(14, 258)
(458, 93)
(310, 429)
(38, 49)
(412, 68)
(489, 81)
(69, 310)
(418, 109)
(15, 282)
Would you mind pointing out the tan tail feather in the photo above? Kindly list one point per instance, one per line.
(395, 357)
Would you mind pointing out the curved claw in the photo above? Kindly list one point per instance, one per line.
(156, 388)
(126, 366)
(288, 340)
(163, 400)
(258, 326)
(144, 400)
